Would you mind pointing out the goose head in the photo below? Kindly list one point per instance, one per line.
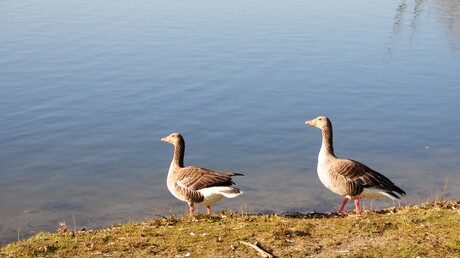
(174, 138)
(320, 122)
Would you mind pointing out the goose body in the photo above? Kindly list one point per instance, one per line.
(196, 185)
(347, 177)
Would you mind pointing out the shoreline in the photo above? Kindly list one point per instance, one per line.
(428, 229)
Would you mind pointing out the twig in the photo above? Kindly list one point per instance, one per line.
(429, 193)
(74, 224)
(258, 249)
(445, 189)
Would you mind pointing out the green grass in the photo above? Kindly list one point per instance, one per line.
(429, 230)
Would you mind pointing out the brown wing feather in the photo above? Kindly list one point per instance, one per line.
(359, 176)
(196, 178)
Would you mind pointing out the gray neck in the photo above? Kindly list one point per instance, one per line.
(179, 151)
(327, 140)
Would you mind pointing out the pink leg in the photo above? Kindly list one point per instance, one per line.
(358, 210)
(192, 209)
(343, 205)
(209, 209)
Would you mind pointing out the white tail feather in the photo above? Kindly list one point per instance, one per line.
(214, 194)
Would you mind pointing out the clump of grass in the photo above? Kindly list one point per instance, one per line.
(423, 230)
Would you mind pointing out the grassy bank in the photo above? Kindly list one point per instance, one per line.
(428, 230)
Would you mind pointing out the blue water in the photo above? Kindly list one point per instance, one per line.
(89, 88)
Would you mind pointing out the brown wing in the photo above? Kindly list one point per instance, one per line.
(359, 176)
(196, 178)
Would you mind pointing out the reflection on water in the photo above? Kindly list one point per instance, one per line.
(449, 16)
(413, 15)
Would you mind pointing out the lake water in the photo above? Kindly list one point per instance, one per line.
(88, 89)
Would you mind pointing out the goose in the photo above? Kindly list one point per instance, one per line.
(196, 185)
(347, 177)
